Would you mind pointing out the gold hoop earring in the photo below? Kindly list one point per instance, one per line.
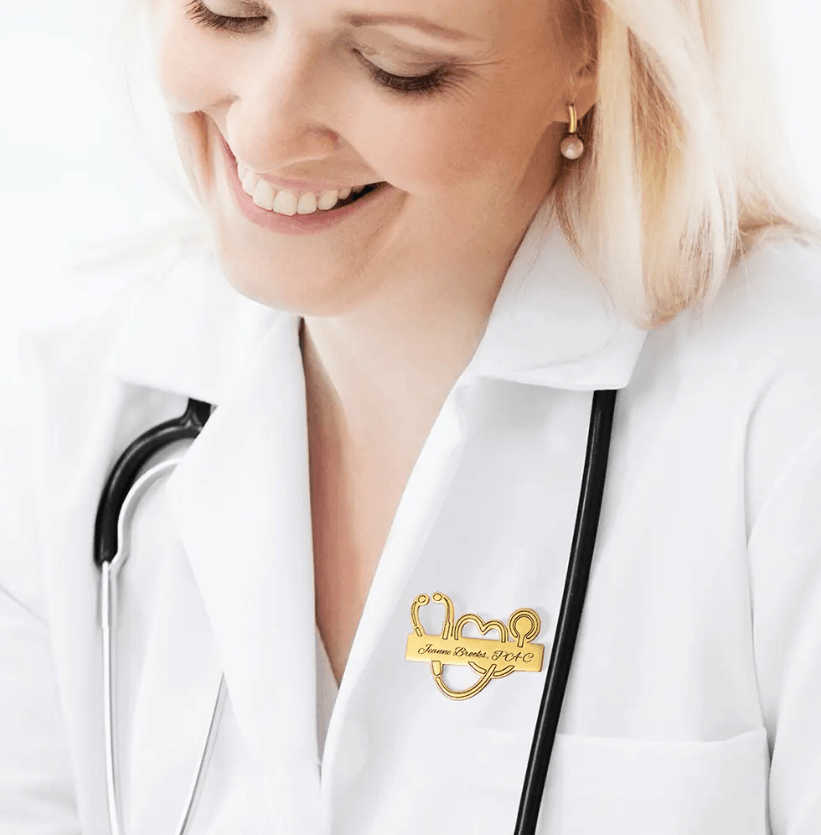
(572, 147)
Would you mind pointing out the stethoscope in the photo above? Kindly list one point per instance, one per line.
(126, 485)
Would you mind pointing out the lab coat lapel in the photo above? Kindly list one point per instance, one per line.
(167, 731)
(72, 586)
(241, 501)
(177, 685)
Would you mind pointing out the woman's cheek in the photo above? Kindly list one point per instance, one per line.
(455, 140)
(421, 152)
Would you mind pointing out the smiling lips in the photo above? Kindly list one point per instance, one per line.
(286, 201)
(290, 202)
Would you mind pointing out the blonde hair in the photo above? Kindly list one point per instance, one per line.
(685, 166)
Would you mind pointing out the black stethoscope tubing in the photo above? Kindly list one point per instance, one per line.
(128, 466)
(189, 425)
(570, 613)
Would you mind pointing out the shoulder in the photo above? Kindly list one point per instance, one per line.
(52, 381)
(78, 389)
(744, 372)
(174, 324)
(766, 316)
(763, 327)
(70, 348)
(173, 329)
(771, 300)
(82, 334)
(762, 335)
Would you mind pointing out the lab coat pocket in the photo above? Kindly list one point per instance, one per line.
(613, 784)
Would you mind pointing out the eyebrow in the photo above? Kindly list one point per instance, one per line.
(356, 19)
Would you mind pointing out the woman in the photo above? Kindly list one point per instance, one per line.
(422, 269)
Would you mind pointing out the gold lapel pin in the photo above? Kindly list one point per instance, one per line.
(511, 652)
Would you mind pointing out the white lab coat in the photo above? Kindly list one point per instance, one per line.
(693, 704)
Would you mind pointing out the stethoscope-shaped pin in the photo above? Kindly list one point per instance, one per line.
(511, 652)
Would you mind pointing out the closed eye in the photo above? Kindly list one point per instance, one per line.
(203, 16)
(418, 84)
(412, 85)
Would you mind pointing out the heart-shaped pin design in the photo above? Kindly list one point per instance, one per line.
(490, 658)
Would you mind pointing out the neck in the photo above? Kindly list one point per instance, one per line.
(377, 377)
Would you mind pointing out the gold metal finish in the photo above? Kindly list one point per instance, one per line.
(510, 652)
(574, 122)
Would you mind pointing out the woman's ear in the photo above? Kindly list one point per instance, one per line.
(586, 90)
(581, 80)
(581, 91)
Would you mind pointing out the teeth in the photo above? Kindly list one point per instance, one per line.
(286, 202)
(327, 200)
(306, 204)
(249, 183)
(264, 195)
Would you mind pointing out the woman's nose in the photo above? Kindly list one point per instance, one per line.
(281, 110)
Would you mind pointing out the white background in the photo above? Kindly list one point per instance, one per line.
(75, 171)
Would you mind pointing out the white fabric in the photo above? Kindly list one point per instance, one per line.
(692, 707)
(326, 693)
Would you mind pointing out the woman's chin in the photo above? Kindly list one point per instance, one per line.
(307, 291)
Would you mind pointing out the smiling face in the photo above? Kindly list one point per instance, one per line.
(452, 107)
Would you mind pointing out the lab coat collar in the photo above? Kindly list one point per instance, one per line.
(186, 330)
(553, 323)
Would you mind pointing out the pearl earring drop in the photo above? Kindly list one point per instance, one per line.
(572, 147)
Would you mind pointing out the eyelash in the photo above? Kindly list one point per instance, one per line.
(420, 85)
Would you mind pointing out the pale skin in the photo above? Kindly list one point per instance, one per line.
(394, 309)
